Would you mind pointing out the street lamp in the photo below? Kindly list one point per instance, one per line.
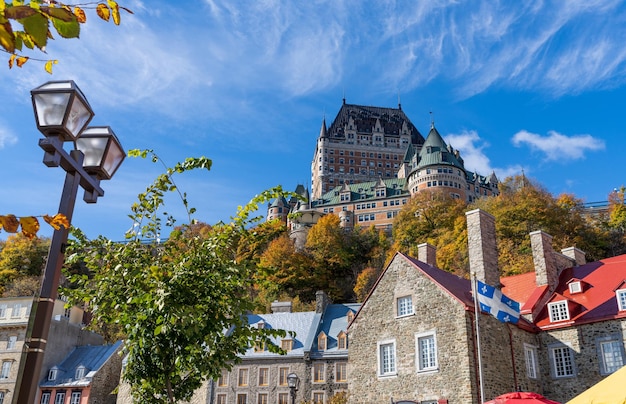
(293, 381)
(62, 114)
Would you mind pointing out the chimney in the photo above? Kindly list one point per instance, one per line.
(281, 307)
(483, 252)
(321, 301)
(427, 253)
(546, 272)
(575, 254)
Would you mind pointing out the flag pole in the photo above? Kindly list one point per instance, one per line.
(476, 315)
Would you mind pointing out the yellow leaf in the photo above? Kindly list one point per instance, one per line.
(57, 221)
(10, 223)
(21, 60)
(49, 64)
(30, 226)
(80, 15)
(115, 9)
(11, 60)
(103, 11)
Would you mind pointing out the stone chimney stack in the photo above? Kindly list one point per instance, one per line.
(575, 254)
(546, 271)
(482, 248)
(281, 307)
(427, 253)
(321, 301)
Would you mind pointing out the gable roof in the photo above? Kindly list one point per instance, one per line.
(89, 356)
(335, 321)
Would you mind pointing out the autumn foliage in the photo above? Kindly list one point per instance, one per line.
(38, 17)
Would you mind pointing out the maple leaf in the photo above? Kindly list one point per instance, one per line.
(30, 226)
(57, 221)
(9, 223)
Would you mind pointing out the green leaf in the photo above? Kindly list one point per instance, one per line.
(7, 39)
(59, 13)
(36, 26)
(19, 12)
(67, 29)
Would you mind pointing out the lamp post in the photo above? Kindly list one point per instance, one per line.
(293, 381)
(62, 114)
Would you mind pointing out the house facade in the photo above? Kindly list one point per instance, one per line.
(416, 336)
(88, 375)
(66, 332)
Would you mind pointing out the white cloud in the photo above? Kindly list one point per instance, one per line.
(7, 138)
(557, 146)
(472, 148)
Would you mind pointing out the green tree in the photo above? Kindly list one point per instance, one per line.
(181, 304)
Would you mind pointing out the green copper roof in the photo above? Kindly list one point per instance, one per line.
(435, 151)
(363, 191)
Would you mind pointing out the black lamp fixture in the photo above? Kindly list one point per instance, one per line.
(62, 114)
(293, 381)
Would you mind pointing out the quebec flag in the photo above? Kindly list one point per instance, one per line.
(492, 301)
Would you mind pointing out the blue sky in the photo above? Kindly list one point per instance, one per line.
(538, 87)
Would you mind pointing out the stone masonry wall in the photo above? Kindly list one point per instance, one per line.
(106, 380)
(435, 311)
(584, 341)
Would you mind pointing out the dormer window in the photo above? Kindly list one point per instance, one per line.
(80, 372)
(321, 341)
(620, 294)
(260, 325)
(558, 311)
(350, 316)
(52, 374)
(342, 340)
(575, 287)
(286, 345)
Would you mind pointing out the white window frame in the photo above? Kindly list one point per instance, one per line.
(562, 361)
(45, 398)
(2, 397)
(6, 369)
(620, 295)
(80, 372)
(59, 397)
(240, 381)
(3, 310)
(612, 359)
(575, 287)
(426, 352)
(559, 311)
(391, 369)
(52, 374)
(530, 356)
(11, 342)
(404, 306)
(16, 310)
(75, 397)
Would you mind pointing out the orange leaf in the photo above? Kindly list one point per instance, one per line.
(115, 9)
(80, 15)
(21, 60)
(103, 11)
(49, 64)
(11, 60)
(57, 221)
(10, 223)
(30, 226)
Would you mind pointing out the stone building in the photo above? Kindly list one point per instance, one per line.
(368, 162)
(414, 337)
(88, 375)
(316, 348)
(66, 332)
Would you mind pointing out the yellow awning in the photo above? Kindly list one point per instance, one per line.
(609, 390)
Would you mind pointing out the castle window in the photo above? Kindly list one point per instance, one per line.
(340, 372)
(558, 311)
(611, 352)
(562, 360)
(264, 376)
(621, 298)
(318, 397)
(222, 381)
(242, 398)
(318, 372)
(286, 344)
(262, 398)
(283, 398)
(321, 341)
(387, 358)
(404, 306)
(11, 342)
(530, 354)
(242, 378)
(426, 347)
(282, 376)
(6, 369)
(342, 340)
